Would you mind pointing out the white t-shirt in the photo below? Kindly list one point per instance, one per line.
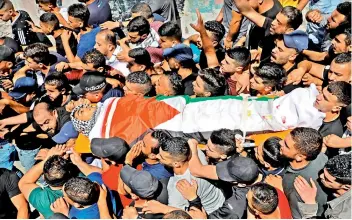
(116, 64)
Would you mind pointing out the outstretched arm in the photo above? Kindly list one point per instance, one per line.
(249, 12)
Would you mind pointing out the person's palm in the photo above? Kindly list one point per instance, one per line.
(200, 24)
(306, 192)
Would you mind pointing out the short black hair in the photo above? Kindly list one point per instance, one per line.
(38, 52)
(340, 168)
(216, 28)
(294, 16)
(343, 58)
(345, 9)
(56, 171)
(178, 148)
(79, 11)
(139, 24)
(225, 139)
(144, 10)
(82, 191)
(308, 142)
(342, 90)
(272, 74)
(176, 82)
(59, 80)
(214, 81)
(271, 152)
(52, 2)
(161, 136)
(265, 198)
(141, 56)
(342, 30)
(241, 55)
(170, 30)
(6, 5)
(50, 18)
(95, 57)
(142, 78)
(177, 214)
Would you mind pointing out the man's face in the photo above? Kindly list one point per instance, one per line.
(340, 72)
(339, 45)
(287, 148)
(132, 88)
(228, 65)
(326, 102)
(162, 86)
(212, 151)
(75, 23)
(95, 96)
(47, 122)
(166, 42)
(101, 45)
(148, 144)
(6, 15)
(52, 92)
(173, 64)
(282, 54)
(134, 67)
(85, 113)
(46, 28)
(259, 154)
(329, 181)
(199, 89)
(45, 7)
(31, 64)
(257, 84)
(134, 37)
(279, 25)
(335, 20)
(165, 158)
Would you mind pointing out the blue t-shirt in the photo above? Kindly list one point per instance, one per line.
(112, 93)
(100, 12)
(157, 170)
(92, 212)
(87, 42)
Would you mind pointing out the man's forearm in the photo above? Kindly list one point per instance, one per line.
(302, 4)
(32, 175)
(18, 119)
(220, 16)
(69, 55)
(209, 50)
(315, 56)
(234, 26)
(19, 108)
(103, 210)
(87, 169)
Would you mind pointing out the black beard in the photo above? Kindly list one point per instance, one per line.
(58, 101)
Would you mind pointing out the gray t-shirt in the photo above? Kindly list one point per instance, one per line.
(310, 171)
(211, 197)
(230, 6)
(165, 8)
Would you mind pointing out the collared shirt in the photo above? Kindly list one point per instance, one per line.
(151, 41)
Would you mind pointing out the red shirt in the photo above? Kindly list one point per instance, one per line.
(284, 206)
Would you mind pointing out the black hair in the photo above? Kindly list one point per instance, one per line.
(95, 57)
(110, 36)
(52, 2)
(170, 30)
(161, 136)
(59, 80)
(50, 18)
(265, 198)
(308, 142)
(294, 16)
(79, 11)
(241, 55)
(176, 82)
(343, 58)
(342, 90)
(56, 171)
(144, 10)
(141, 56)
(178, 148)
(271, 152)
(177, 214)
(139, 24)
(225, 139)
(214, 81)
(273, 75)
(340, 168)
(82, 191)
(345, 9)
(216, 28)
(38, 52)
(6, 5)
(142, 78)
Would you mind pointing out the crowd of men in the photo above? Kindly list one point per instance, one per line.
(56, 74)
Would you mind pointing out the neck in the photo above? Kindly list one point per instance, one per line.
(298, 165)
(181, 170)
(287, 66)
(330, 116)
(56, 187)
(184, 72)
(45, 70)
(151, 161)
(57, 33)
(151, 20)
(110, 53)
(87, 29)
(56, 9)
(64, 99)
(271, 168)
(15, 15)
(265, 6)
(273, 215)
(90, 2)
(340, 192)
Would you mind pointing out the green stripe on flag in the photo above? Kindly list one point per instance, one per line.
(202, 99)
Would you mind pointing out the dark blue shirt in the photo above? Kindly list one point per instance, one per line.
(87, 42)
(100, 12)
(157, 170)
(112, 93)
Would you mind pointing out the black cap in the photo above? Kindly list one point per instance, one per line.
(90, 82)
(142, 183)
(238, 169)
(113, 148)
(6, 54)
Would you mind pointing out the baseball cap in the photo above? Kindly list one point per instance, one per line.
(23, 86)
(6, 54)
(238, 169)
(113, 148)
(66, 133)
(297, 39)
(142, 183)
(90, 82)
(180, 52)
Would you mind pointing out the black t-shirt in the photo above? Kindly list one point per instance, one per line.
(332, 127)
(267, 43)
(289, 88)
(8, 189)
(188, 83)
(220, 54)
(256, 34)
(60, 47)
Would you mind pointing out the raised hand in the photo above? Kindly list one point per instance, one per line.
(199, 27)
